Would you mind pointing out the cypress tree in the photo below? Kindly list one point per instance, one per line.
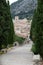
(36, 33)
(6, 25)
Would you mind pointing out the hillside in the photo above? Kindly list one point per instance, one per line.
(23, 8)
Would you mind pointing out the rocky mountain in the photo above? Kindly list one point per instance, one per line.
(23, 8)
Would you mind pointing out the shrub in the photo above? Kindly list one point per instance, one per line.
(19, 39)
(34, 49)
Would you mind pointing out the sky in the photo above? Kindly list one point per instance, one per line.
(11, 1)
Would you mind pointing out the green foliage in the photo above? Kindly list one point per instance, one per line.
(19, 39)
(34, 50)
(6, 25)
(36, 33)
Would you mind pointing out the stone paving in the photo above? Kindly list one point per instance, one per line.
(19, 56)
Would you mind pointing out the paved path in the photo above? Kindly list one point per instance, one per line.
(19, 56)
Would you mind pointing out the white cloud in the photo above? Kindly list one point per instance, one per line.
(11, 1)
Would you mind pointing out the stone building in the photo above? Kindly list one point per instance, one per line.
(22, 27)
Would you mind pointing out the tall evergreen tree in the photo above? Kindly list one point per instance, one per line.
(36, 33)
(6, 25)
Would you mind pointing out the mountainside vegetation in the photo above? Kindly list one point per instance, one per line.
(23, 8)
